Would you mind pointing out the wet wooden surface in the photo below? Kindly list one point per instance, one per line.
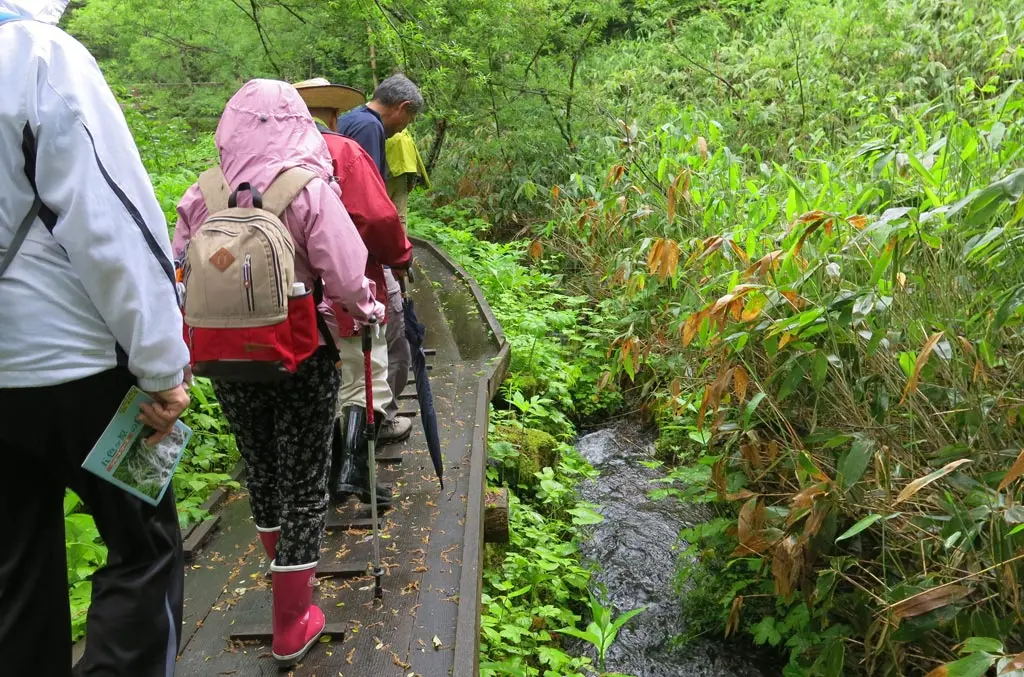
(423, 537)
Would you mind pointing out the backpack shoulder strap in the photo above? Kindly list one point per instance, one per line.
(215, 190)
(286, 188)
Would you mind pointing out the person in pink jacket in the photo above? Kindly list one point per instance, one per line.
(283, 429)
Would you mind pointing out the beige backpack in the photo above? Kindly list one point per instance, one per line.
(245, 319)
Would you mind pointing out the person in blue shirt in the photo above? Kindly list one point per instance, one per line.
(394, 105)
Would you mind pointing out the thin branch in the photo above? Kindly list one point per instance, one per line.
(732, 89)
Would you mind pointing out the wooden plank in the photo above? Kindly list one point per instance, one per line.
(467, 629)
(341, 570)
(336, 521)
(248, 632)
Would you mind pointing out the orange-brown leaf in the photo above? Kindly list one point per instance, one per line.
(654, 256)
(812, 217)
(1016, 663)
(857, 221)
(794, 299)
(740, 379)
(1016, 470)
(555, 192)
(922, 482)
(702, 147)
(691, 326)
(929, 600)
(738, 250)
(671, 203)
(718, 477)
(669, 260)
(536, 250)
(941, 671)
(755, 304)
(919, 363)
(751, 521)
(702, 412)
(787, 565)
(733, 622)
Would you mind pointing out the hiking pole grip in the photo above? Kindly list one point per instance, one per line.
(368, 372)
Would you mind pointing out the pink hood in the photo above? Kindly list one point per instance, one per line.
(266, 129)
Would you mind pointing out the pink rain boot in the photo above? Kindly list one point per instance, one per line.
(269, 536)
(297, 623)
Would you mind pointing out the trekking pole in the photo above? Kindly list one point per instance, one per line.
(371, 441)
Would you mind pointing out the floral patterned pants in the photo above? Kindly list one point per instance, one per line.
(283, 430)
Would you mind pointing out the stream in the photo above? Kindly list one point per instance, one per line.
(636, 548)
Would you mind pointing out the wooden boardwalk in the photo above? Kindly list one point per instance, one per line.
(432, 545)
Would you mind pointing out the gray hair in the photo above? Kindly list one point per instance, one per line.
(397, 89)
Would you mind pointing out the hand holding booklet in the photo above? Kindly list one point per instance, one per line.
(123, 457)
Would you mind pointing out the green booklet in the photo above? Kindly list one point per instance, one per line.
(123, 458)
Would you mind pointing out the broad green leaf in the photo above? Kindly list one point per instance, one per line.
(583, 516)
(975, 644)
(975, 665)
(819, 364)
(748, 411)
(793, 379)
(855, 462)
(859, 527)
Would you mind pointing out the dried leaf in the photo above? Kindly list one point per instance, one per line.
(922, 482)
(739, 252)
(740, 379)
(787, 565)
(755, 304)
(794, 299)
(749, 525)
(733, 623)
(671, 212)
(858, 221)
(718, 477)
(702, 147)
(691, 326)
(703, 407)
(536, 250)
(654, 256)
(919, 363)
(669, 260)
(1016, 470)
(929, 600)
(555, 192)
(1016, 663)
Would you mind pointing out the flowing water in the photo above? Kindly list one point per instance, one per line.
(636, 548)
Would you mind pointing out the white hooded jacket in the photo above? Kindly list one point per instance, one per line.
(93, 284)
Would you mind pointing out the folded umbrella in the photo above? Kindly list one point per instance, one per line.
(415, 333)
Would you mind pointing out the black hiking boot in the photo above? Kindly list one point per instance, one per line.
(350, 474)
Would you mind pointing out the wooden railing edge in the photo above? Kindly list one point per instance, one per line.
(467, 623)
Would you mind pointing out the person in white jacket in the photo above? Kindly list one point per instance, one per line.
(88, 308)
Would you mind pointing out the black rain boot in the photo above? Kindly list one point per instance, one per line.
(353, 470)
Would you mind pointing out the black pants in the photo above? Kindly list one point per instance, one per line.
(283, 430)
(134, 623)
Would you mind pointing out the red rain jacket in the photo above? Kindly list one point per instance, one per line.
(366, 200)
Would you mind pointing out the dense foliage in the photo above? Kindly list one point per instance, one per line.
(787, 232)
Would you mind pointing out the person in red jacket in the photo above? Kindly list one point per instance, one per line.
(365, 196)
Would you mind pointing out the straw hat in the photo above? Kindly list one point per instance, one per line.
(320, 93)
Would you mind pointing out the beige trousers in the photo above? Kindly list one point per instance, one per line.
(353, 378)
